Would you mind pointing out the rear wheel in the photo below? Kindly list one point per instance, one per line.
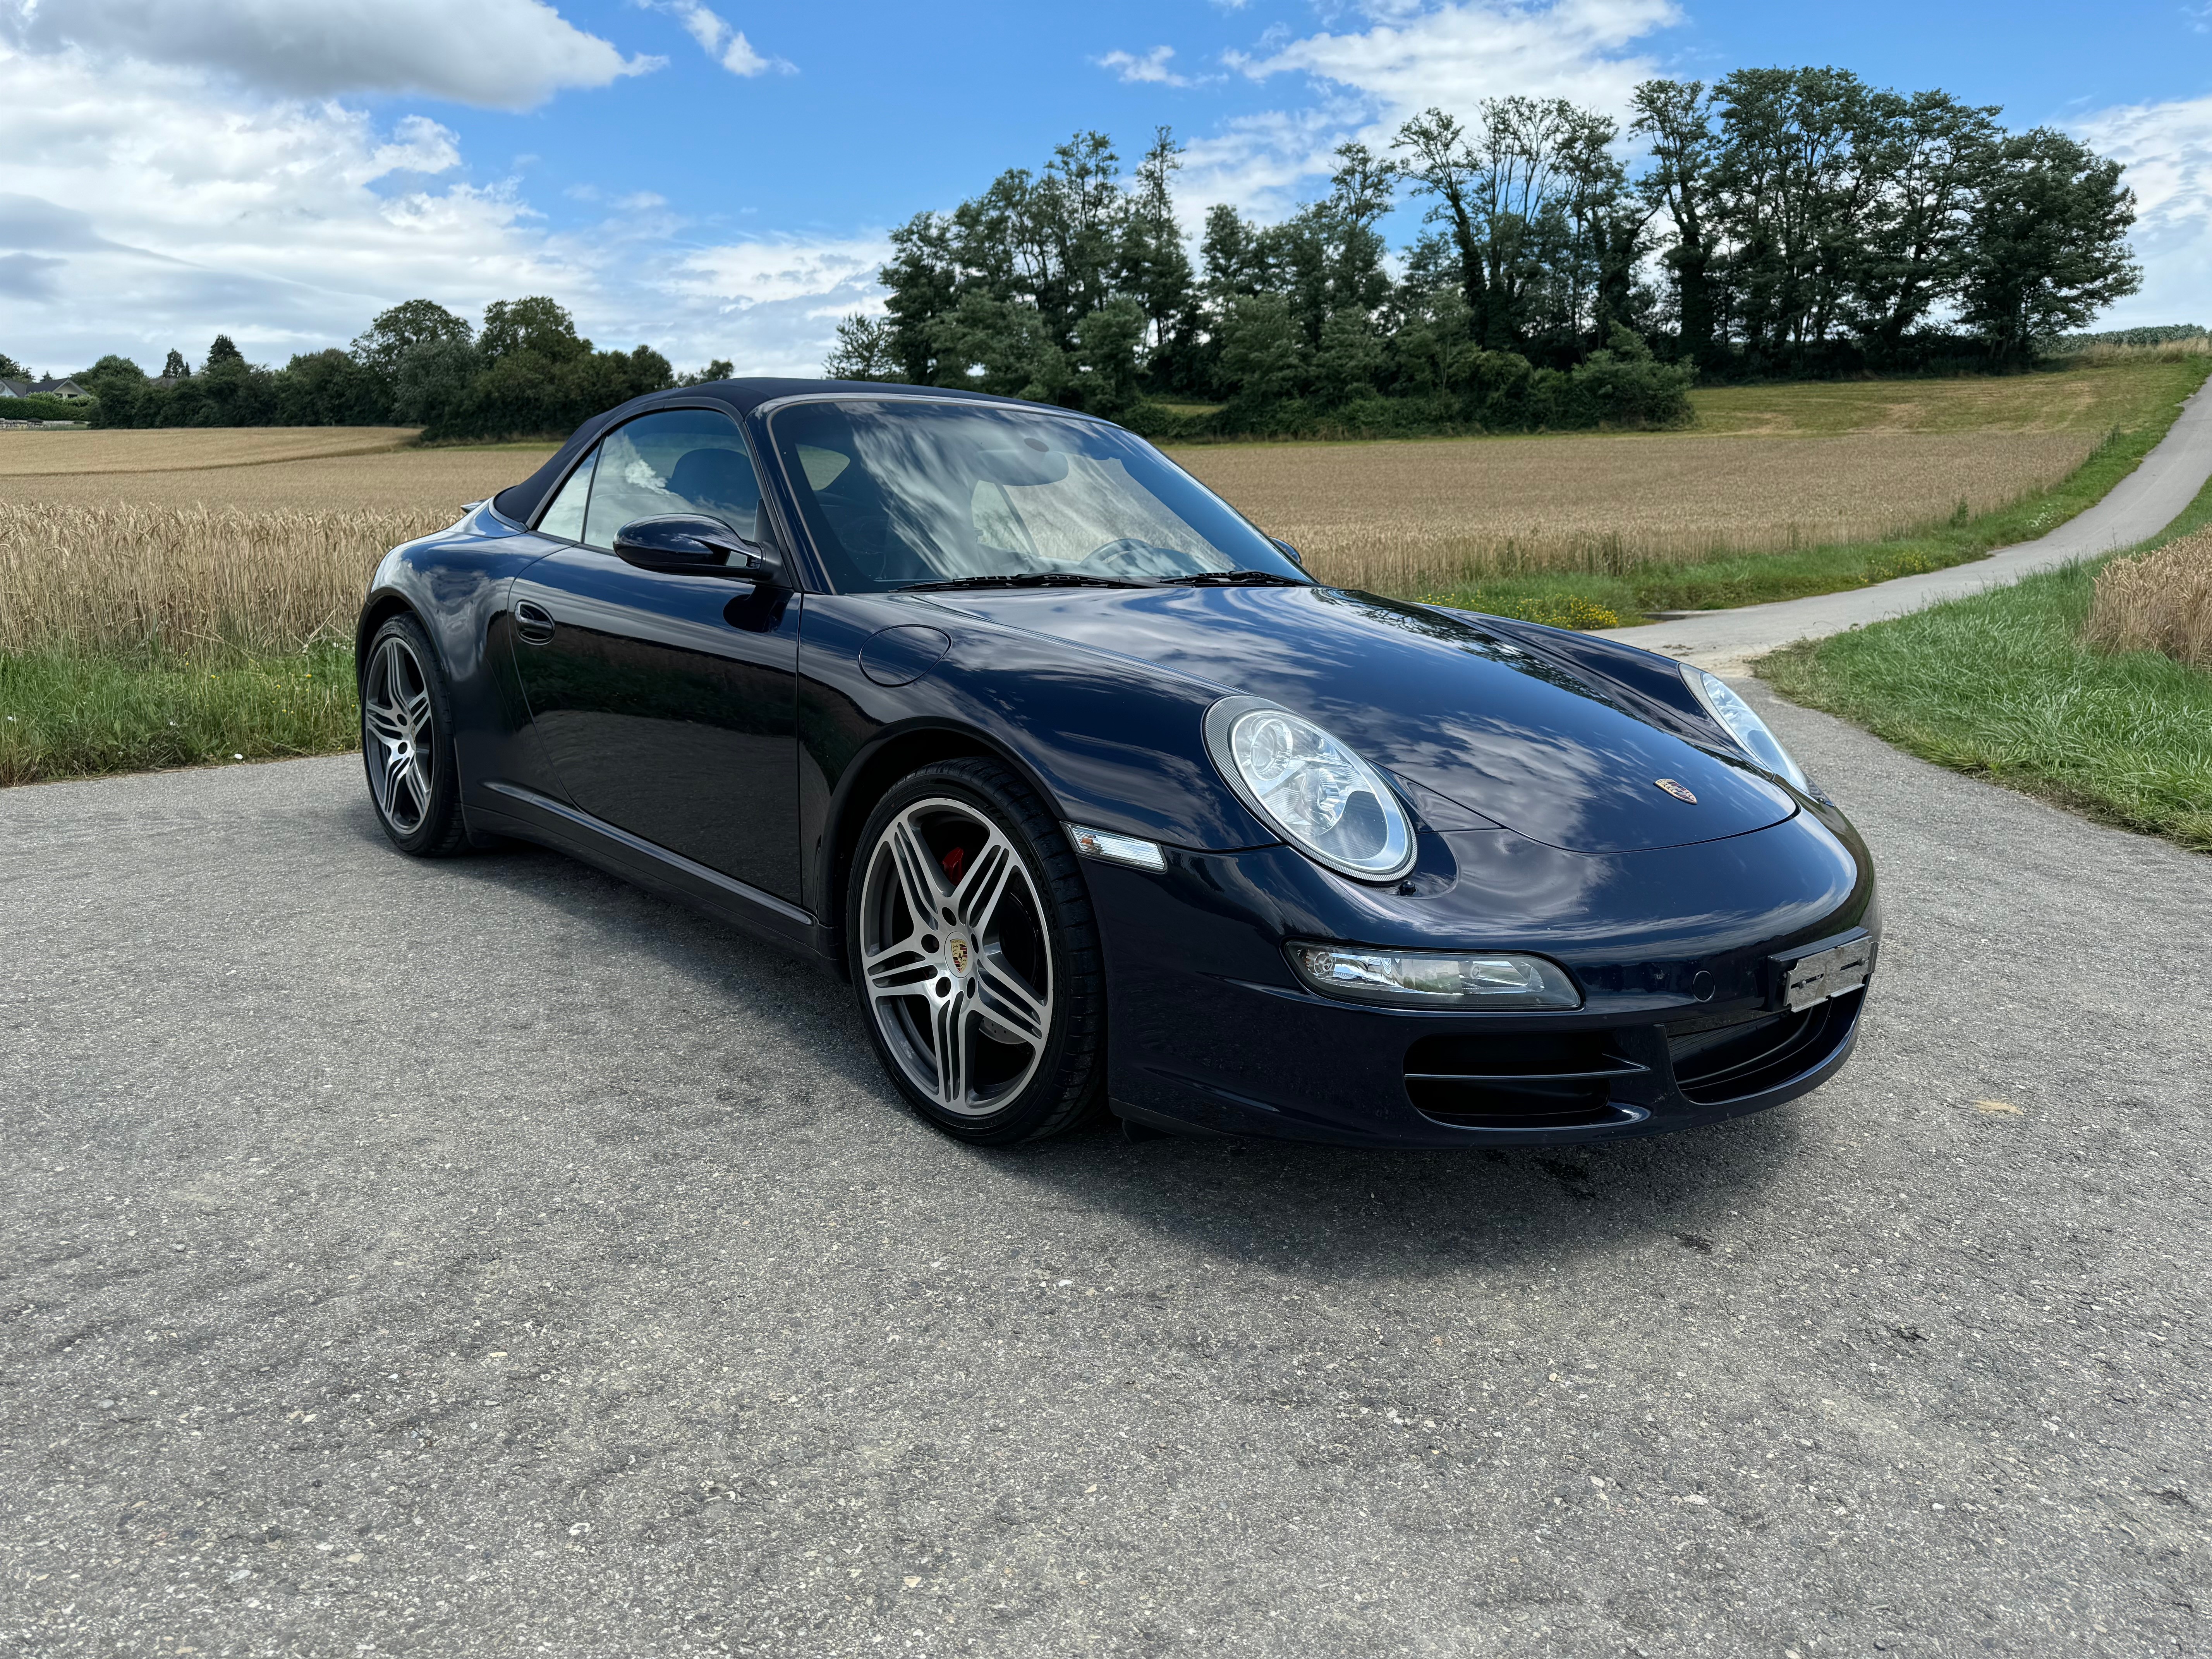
(406, 742)
(975, 955)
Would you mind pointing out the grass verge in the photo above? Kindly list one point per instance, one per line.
(66, 714)
(2001, 686)
(1762, 578)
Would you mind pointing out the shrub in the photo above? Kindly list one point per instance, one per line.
(49, 409)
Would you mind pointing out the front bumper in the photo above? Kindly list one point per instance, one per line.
(1675, 951)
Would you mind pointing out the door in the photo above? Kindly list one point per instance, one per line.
(666, 701)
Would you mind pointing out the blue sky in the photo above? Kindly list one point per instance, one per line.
(716, 178)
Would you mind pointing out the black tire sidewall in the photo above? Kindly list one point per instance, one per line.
(441, 832)
(1069, 1078)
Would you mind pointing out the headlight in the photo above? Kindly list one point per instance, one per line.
(1323, 799)
(1426, 979)
(1743, 723)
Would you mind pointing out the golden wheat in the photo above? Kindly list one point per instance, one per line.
(265, 540)
(188, 579)
(2158, 601)
(1406, 517)
(189, 449)
(427, 480)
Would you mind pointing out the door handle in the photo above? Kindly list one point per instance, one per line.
(534, 621)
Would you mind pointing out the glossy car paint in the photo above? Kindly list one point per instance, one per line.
(720, 741)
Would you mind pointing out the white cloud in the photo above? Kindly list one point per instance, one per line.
(1412, 54)
(1152, 67)
(719, 40)
(145, 207)
(747, 274)
(1455, 53)
(2167, 150)
(506, 54)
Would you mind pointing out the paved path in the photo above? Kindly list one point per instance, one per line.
(2139, 506)
(488, 1258)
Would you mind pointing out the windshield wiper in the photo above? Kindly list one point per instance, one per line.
(1024, 579)
(1234, 579)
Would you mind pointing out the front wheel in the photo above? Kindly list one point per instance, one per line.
(407, 744)
(975, 955)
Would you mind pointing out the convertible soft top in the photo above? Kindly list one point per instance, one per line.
(520, 502)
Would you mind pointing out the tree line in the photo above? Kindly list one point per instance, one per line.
(1569, 270)
(525, 372)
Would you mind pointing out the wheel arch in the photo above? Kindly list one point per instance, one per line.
(380, 609)
(897, 754)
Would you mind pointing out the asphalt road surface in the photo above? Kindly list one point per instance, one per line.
(2135, 509)
(485, 1258)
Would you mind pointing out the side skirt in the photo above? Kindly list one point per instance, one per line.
(528, 816)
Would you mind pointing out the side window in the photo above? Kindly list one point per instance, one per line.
(565, 518)
(681, 460)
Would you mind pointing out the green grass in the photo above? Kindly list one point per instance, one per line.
(64, 715)
(1762, 578)
(1999, 685)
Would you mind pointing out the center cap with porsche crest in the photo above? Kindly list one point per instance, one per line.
(959, 954)
(1679, 792)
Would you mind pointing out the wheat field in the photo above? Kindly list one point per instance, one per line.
(264, 538)
(2158, 601)
(1407, 517)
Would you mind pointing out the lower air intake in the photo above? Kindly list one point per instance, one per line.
(1732, 1062)
(1521, 1082)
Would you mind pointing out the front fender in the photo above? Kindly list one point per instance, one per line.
(1108, 741)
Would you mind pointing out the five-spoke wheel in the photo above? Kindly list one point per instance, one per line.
(961, 933)
(405, 717)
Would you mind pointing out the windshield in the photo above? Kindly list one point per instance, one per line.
(899, 492)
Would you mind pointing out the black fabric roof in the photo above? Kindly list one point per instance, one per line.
(520, 501)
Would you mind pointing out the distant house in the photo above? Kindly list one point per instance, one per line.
(50, 387)
(15, 388)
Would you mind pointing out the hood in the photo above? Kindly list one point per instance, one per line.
(1525, 741)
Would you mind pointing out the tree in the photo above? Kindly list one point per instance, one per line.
(403, 327)
(430, 381)
(717, 368)
(175, 367)
(223, 351)
(1261, 354)
(538, 324)
(866, 350)
(1675, 118)
(119, 384)
(1155, 265)
(1931, 156)
(1788, 193)
(12, 370)
(330, 388)
(2047, 244)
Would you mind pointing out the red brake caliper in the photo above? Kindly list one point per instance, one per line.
(952, 862)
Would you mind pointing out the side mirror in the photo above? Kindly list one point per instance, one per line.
(691, 543)
(1288, 551)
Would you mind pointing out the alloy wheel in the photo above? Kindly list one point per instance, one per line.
(954, 957)
(396, 724)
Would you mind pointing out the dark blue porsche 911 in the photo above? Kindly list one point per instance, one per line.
(1103, 804)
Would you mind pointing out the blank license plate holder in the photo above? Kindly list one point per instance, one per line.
(1806, 981)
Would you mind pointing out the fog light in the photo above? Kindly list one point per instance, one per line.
(1423, 979)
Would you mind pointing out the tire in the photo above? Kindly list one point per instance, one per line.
(407, 743)
(1013, 987)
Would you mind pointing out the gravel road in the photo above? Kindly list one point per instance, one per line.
(2135, 509)
(487, 1259)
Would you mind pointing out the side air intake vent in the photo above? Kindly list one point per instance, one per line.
(1536, 1081)
(1729, 1062)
